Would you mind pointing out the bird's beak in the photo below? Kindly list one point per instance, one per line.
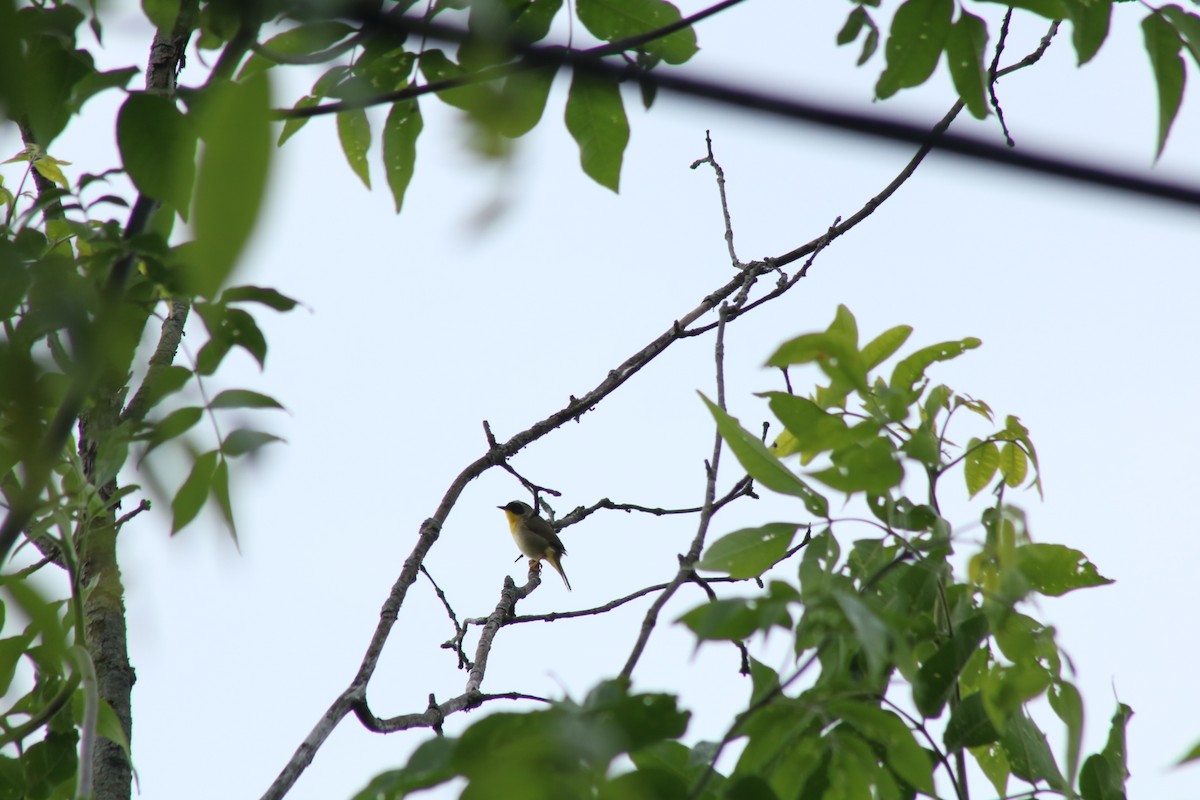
(500, 507)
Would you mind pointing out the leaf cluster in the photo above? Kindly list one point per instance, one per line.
(922, 31)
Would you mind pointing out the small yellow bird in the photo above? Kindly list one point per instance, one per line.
(535, 537)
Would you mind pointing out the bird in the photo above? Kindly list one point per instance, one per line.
(535, 537)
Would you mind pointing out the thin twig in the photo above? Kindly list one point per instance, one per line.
(712, 161)
(497, 72)
(686, 562)
(992, 77)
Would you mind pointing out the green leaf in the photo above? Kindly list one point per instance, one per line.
(969, 725)
(523, 100)
(258, 294)
(1029, 754)
(428, 766)
(885, 345)
(162, 381)
(301, 40)
(1103, 775)
(871, 468)
(610, 20)
(1188, 26)
(919, 30)
(243, 398)
(722, 619)
(228, 327)
(354, 133)
(97, 82)
(191, 495)
(902, 513)
(813, 429)
(937, 677)
(220, 492)
(596, 119)
(980, 465)
(1162, 45)
(734, 619)
(750, 552)
(158, 149)
(174, 424)
(1098, 780)
(161, 13)
(1013, 465)
(912, 369)
(871, 631)
(964, 53)
(1188, 757)
(1050, 9)
(400, 132)
(835, 353)
(994, 765)
(1054, 570)
(244, 440)
(1089, 26)
(232, 178)
(761, 464)
(292, 125)
(11, 651)
(473, 98)
(903, 755)
(853, 26)
(1068, 705)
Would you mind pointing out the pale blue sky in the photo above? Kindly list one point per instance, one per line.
(418, 327)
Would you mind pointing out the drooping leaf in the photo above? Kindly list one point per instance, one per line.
(523, 100)
(232, 179)
(191, 495)
(177, 423)
(1162, 45)
(903, 754)
(1029, 754)
(969, 725)
(870, 630)
(354, 133)
(918, 33)
(936, 678)
(596, 119)
(762, 464)
(964, 52)
(400, 131)
(1089, 26)
(1068, 705)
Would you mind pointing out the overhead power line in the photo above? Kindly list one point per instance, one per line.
(876, 126)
